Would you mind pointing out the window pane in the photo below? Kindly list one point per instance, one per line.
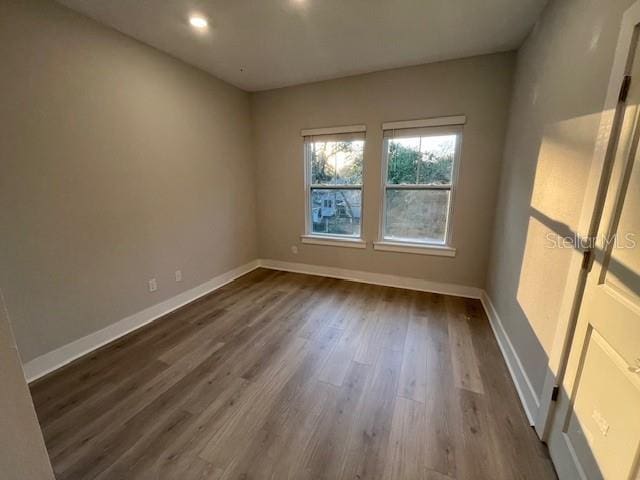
(337, 162)
(336, 212)
(421, 160)
(349, 163)
(404, 155)
(416, 215)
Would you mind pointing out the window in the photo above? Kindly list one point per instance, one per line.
(419, 175)
(333, 171)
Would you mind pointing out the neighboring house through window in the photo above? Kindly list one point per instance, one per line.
(333, 182)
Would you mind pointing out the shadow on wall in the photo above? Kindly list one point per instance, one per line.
(559, 173)
(561, 81)
(529, 278)
(627, 274)
(579, 427)
(556, 195)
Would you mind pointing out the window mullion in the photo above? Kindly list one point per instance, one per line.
(390, 186)
(344, 186)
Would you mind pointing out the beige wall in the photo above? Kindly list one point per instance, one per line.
(22, 451)
(562, 75)
(478, 87)
(118, 164)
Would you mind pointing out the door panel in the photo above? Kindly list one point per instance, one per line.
(603, 428)
(624, 268)
(595, 432)
(608, 311)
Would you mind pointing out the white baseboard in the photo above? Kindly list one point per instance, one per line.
(59, 357)
(51, 361)
(528, 396)
(55, 359)
(375, 278)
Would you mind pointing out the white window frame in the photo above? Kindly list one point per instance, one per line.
(439, 126)
(316, 238)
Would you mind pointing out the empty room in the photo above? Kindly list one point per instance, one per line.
(320, 239)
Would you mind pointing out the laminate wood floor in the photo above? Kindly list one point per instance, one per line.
(288, 376)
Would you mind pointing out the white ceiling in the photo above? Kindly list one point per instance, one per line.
(262, 44)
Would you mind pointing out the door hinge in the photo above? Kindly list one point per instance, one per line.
(624, 88)
(554, 393)
(587, 260)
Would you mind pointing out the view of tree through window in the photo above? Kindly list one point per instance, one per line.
(336, 186)
(418, 188)
(422, 160)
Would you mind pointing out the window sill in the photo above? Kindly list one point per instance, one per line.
(333, 241)
(401, 247)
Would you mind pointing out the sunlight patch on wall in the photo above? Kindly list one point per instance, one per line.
(556, 201)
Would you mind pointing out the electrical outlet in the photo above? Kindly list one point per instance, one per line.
(294, 249)
(178, 275)
(153, 285)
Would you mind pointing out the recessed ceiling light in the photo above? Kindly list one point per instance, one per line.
(198, 22)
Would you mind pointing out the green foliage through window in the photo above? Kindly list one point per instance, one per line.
(426, 160)
(418, 187)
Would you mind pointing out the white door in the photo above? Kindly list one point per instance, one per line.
(595, 432)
